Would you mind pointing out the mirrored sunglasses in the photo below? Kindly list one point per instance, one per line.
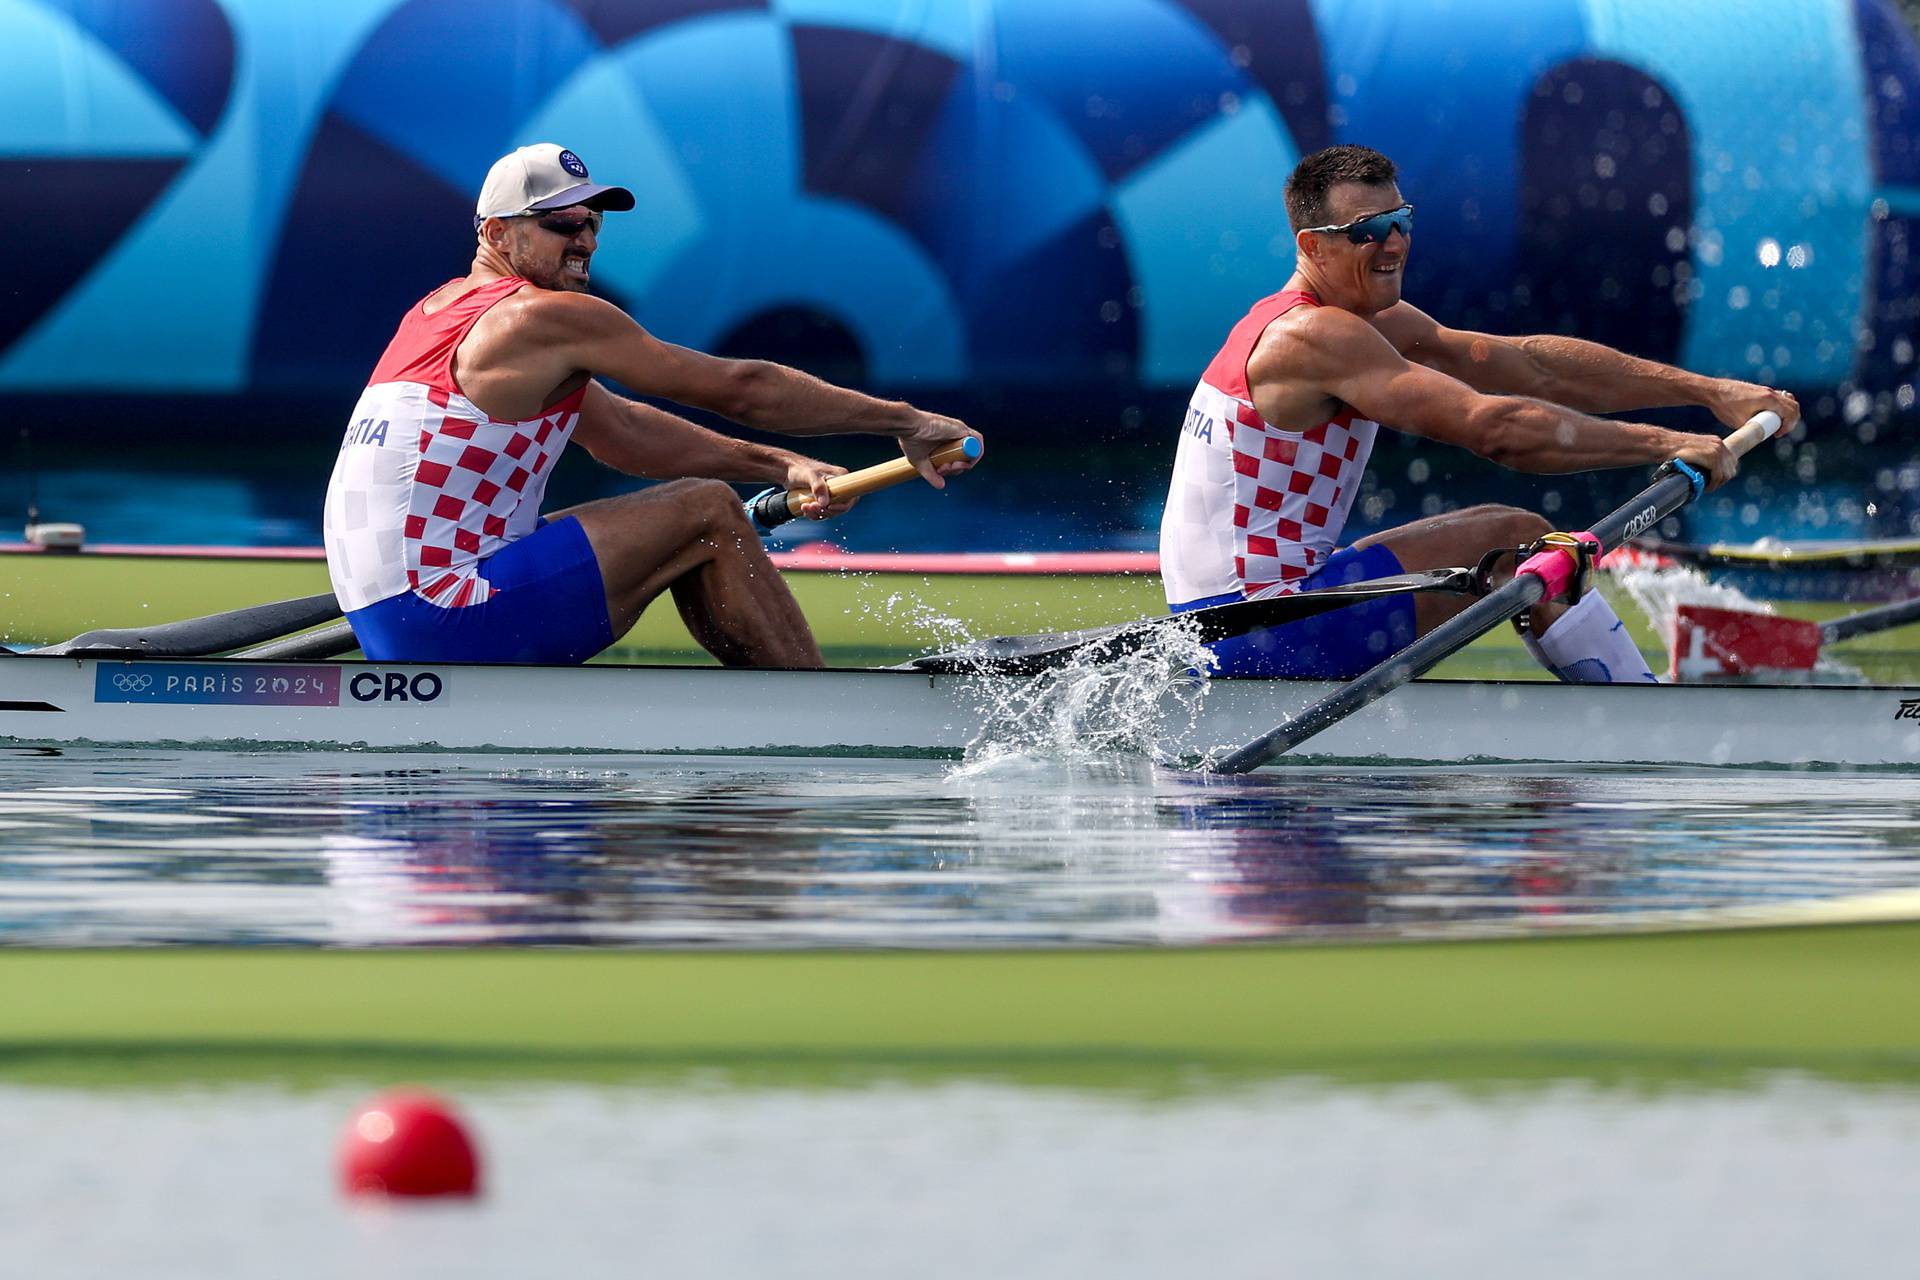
(1375, 226)
(569, 223)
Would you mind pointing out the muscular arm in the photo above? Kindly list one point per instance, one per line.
(641, 440)
(1345, 358)
(582, 332)
(1571, 371)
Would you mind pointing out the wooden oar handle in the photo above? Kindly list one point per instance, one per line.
(1761, 426)
(856, 484)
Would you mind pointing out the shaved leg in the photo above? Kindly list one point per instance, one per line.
(1461, 538)
(691, 537)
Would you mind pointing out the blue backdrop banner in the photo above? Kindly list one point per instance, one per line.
(238, 197)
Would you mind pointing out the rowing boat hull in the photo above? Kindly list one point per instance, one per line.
(55, 700)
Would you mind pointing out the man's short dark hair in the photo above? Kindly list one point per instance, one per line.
(1321, 172)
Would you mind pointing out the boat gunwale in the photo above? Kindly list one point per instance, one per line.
(1574, 688)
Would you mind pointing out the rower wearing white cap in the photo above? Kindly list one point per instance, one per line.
(435, 541)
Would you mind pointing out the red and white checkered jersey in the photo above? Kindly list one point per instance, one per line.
(426, 484)
(1252, 507)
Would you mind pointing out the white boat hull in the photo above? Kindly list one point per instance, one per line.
(49, 700)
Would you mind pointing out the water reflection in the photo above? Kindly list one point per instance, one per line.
(359, 849)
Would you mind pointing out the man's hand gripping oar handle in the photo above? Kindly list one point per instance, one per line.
(1541, 576)
(1761, 426)
(1560, 568)
(775, 507)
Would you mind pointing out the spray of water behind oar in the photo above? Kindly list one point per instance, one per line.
(1098, 706)
(1087, 709)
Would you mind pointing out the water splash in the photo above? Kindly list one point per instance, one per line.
(1143, 705)
(1659, 592)
(1146, 704)
(940, 630)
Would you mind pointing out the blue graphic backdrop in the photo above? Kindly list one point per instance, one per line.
(239, 198)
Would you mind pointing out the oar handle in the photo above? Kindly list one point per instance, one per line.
(857, 484)
(1763, 425)
(1557, 567)
(773, 508)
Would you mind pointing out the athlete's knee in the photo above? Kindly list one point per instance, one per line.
(1503, 526)
(713, 504)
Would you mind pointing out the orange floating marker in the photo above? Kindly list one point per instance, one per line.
(408, 1142)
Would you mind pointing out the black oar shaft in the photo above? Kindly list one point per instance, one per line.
(1412, 662)
(1655, 503)
(1869, 621)
(309, 646)
(1666, 495)
(1028, 655)
(199, 637)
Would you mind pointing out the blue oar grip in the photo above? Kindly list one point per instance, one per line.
(972, 447)
(1693, 475)
(767, 510)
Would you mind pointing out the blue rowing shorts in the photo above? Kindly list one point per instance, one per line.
(549, 605)
(1338, 645)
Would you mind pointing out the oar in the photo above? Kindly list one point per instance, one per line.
(1869, 621)
(1890, 553)
(308, 646)
(1027, 655)
(1542, 576)
(772, 508)
(199, 637)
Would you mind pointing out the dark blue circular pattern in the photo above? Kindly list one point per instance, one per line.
(1054, 214)
(181, 50)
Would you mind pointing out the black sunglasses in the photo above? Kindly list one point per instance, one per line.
(565, 223)
(1375, 226)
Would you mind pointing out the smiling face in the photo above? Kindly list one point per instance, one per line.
(1362, 278)
(554, 250)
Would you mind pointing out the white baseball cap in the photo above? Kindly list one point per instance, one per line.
(542, 176)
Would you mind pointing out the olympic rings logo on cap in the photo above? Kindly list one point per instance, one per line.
(573, 164)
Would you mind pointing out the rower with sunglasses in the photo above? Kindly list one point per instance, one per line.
(435, 541)
(1278, 431)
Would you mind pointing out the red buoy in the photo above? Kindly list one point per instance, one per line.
(408, 1143)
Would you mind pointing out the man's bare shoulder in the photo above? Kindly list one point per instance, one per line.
(560, 312)
(1309, 340)
(545, 334)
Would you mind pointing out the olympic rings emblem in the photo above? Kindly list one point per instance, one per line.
(129, 683)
